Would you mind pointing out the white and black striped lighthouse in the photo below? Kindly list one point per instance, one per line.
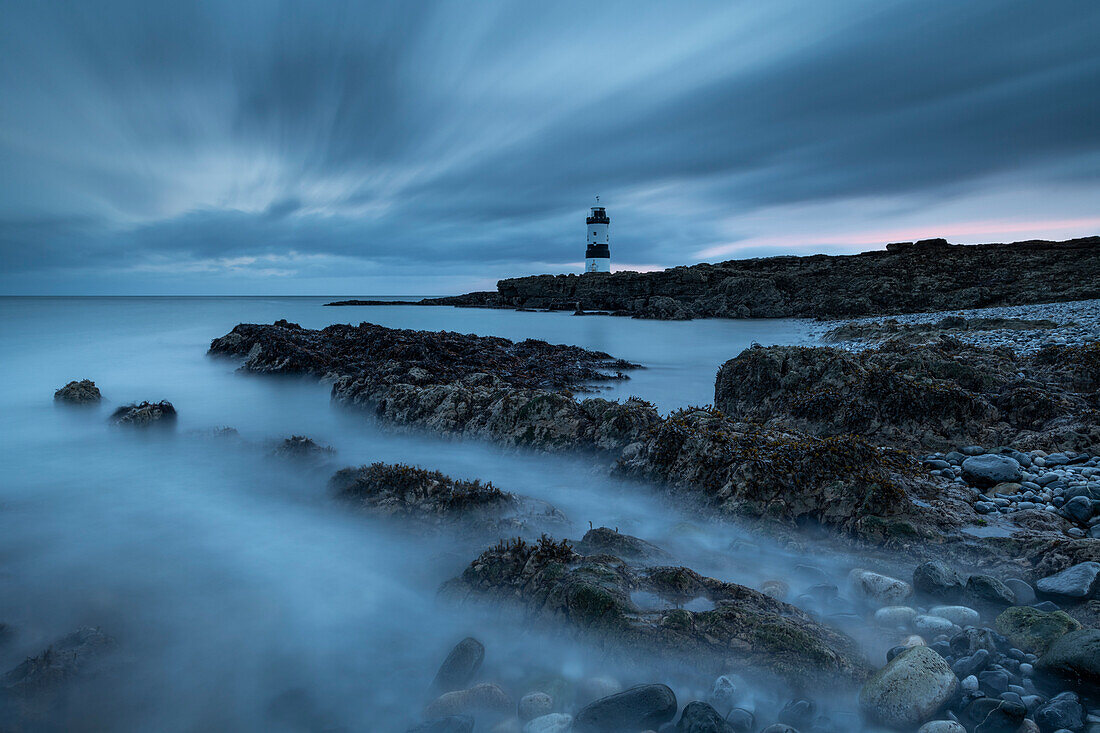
(597, 255)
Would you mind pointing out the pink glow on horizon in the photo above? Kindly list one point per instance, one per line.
(985, 231)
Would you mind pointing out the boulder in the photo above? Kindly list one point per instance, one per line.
(909, 690)
(698, 717)
(938, 580)
(460, 666)
(83, 392)
(1081, 581)
(637, 708)
(1074, 658)
(485, 697)
(1061, 712)
(986, 591)
(1033, 630)
(989, 470)
(879, 588)
(606, 541)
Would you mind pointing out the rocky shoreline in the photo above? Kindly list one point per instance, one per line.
(907, 277)
(877, 439)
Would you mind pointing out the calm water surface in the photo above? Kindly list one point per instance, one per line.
(241, 596)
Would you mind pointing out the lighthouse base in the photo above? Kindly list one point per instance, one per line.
(597, 264)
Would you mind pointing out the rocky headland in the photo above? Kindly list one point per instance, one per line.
(906, 277)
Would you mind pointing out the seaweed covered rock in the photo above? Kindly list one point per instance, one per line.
(145, 414)
(1032, 629)
(741, 469)
(430, 497)
(83, 392)
(517, 393)
(595, 596)
(932, 396)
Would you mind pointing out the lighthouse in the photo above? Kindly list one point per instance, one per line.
(597, 255)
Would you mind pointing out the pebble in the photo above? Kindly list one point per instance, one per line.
(550, 723)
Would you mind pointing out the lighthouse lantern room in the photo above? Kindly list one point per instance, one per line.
(597, 255)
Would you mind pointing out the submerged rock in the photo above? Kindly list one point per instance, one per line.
(299, 447)
(909, 690)
(145, 414)
(83, 392)
(637, 708)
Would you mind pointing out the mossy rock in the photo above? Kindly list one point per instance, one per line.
(1034, 630)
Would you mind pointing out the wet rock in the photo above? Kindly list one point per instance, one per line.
(698, 717)
(724, 695)
(938, 580)
(989, 470)
(909, 690)
(1033, 630)
(637, 708)
(1062, 712)
(83, 392)
(895, 617)
(986, 591)
(479, 698)
(942, 726)
(1080, 582)
(593, 595)
(31, 689)
(145, 414)
(1005, 718)
(1074, 659)
(534, 705)
(460, 666)
(958, 615)
(450, 724)
(606, 541)
(879, 588)
(550, 723)
(299, 447)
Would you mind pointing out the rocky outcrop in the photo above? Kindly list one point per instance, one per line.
(593, 595)
(83, 392)
(423, 497)
(907, 277)
(145, 414)
(742, 470)
(513, 393)
(892, 330)
(935, 396)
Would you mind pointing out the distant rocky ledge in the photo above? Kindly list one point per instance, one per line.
(906, 277)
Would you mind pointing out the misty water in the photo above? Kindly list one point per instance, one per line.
(242, 597)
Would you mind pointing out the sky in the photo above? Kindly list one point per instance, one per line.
(421, 148)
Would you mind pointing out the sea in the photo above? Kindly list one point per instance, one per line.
(240, 596)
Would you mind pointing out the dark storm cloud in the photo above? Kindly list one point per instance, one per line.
(451, 135)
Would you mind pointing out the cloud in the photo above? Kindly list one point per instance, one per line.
(456, 138)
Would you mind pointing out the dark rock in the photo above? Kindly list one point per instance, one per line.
(145, 414)
(698, 717)
(606, 541)
(1005, 718)
(1074, 659)
(31, 689)
(938, 580)
(990, 470)
(637, 708)
(971, 664)
(300, 447)
(1063, 711)
(993, 681)
(970, 640)
(460, 666)
(1080, 581)
(985, 590)
(450, 724)
(741, 720)
(1079, 509)
(83, 392)
(1022, 590)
